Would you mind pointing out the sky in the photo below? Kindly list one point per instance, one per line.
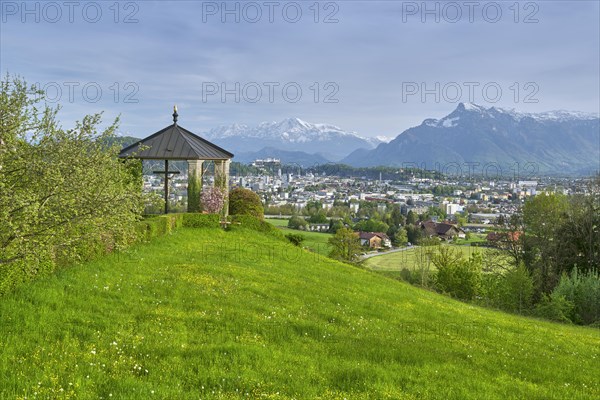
(372, 67)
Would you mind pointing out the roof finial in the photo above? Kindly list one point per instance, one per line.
(175, 115)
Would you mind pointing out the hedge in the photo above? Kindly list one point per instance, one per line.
(201, 220)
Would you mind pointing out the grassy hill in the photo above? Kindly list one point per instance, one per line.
(209, 314)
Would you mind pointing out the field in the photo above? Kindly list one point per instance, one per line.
(315, 241)
(210, 314)
(414, 257)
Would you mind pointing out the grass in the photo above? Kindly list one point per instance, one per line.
(317, 242)
(413, 258)
(279, 222)
(475, 238)
(209, 314)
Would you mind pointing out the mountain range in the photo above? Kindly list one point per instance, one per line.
(302, 141)
(550, 142)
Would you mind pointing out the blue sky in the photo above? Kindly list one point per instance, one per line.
(361, 65)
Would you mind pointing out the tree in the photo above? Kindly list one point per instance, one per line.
(434, 212)
(245, 202)
(414, 234)
(319, 217)
(297, 222)
(345, 246)
(213, 199)
(396, 217)
(456, 276)
(295, 238)
(61, 191)
(371, 225)
(400, 238)
(411, 218)
(542, 216)
(335, 225)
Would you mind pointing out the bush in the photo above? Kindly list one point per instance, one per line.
(295, 238)
(320, 217)
(65, 196)
(512, 291)
(555, 308)
(297, 222)
(583, 292)
(345, 246)
(456, 276)
(245, 202)
(193, 220)
(212, 199)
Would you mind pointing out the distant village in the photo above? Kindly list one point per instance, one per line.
(285, 194)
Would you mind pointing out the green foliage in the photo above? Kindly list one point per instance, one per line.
(434, 212)
(371, 225)
(583, 292)
(319, 217)
(245, 202)
(345, 246)
(194, 220)
(555, 308)
(297, 222)
(64, 194)
(412, 218)
(456, 276)
(561, 234)
(335, 225)
(398, 236)
(414, 234)
(295, 238)
(511, 291)
(158, 225)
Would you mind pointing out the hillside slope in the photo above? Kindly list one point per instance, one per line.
(221, 315)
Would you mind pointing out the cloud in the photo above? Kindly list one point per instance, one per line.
(170, 52)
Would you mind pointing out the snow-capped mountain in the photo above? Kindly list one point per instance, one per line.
(291, 134)
(554, 141)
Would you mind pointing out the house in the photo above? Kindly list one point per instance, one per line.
(318, 227)
(374, 240)
(499, 238)
(442, 230)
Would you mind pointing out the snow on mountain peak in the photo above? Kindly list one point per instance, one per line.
(471, 107)
(557, 115)
(289, 130)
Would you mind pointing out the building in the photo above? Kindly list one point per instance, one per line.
(442, 230)
(374, 240)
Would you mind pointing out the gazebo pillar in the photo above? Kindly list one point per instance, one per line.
(222, 181)
(194, 187)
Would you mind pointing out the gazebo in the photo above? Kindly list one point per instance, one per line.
(177, 143)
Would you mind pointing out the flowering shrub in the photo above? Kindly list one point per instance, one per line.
(213, 199)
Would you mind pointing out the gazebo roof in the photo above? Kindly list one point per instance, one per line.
(175, 143)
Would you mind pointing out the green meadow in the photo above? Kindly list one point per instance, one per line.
(414, 257)
(214, 314)
(317, 242)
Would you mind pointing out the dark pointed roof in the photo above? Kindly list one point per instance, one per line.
(175, 143)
